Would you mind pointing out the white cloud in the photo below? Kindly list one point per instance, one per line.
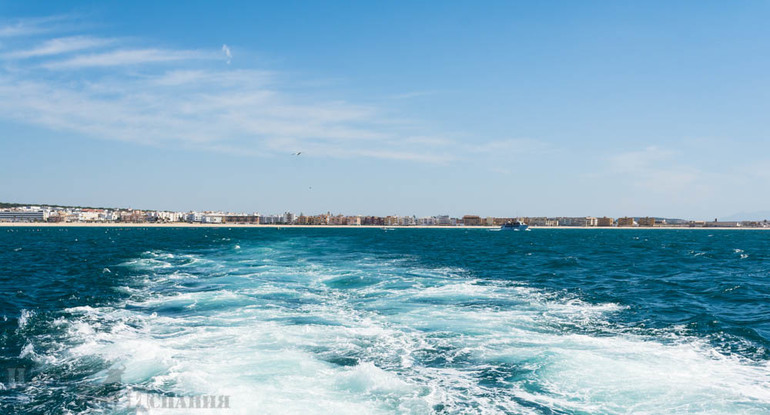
(228, 54)
(177, 97)
(124, 57)
(60, 46)
(31, 26)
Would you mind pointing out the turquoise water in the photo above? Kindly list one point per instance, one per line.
(360, 321)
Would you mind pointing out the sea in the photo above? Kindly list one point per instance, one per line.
(109, 320)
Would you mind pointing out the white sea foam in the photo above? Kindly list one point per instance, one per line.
(24, 317)
(294, 337)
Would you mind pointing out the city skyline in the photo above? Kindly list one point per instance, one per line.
(498, 109)
(56, 214)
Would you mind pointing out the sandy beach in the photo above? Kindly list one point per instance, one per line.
(237, 225)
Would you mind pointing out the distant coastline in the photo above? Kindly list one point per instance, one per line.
(271, 226)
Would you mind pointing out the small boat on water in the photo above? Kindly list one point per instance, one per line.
(514, 226)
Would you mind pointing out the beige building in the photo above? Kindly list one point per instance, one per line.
(353, 220)
(578, 221)
(626, 221)
(337, 220)
(646, 221)
(605, 221)
(472, 220)
(541, 222)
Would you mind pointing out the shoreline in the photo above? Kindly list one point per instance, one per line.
(242, 225)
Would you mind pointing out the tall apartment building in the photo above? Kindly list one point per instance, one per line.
(605, 221)
(471, 220)
(646, 221)
(626, 221)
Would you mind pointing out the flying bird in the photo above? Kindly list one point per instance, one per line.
(296, 154)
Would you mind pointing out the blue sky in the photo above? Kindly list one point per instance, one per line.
(494, 108)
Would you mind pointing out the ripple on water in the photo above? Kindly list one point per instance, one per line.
(341, 334)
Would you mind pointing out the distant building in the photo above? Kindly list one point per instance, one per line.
(428, 221)
(322, 219)
(444, 220)
(213, 218)
(407, 220)
(353, 220)
(22, 216)
(501, 221)
(337, 220)
(626, 221)
(245, 219)
(752, 224)
(723, 224)
(128, 216)
(271, 219)
(57, 217)
(578, 221)
(112, 216)
(647, 222)
(90, 215)
(541, 221)
(194, 217)
(605, 221)
(163, 216)
(471, 220)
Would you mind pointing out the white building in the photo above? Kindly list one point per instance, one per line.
(543, 222)
(90, 215)
(445, 220)
(407, 221)
(25, 215)
(194, 217)
(165, 216)
(578, 221)
(430, 221)
(109, 216)
(271, 219)
(213, 218)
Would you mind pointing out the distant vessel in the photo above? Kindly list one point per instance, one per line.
(514, 226)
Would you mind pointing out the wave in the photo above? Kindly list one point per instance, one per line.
(341, 334)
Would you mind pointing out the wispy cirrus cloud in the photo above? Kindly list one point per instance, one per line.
(123, 57)
(165, 96)
(60, 46)
(30, 26)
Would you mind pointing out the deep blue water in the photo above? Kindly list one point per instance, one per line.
(371, 321)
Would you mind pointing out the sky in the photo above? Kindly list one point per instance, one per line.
(495, 108)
